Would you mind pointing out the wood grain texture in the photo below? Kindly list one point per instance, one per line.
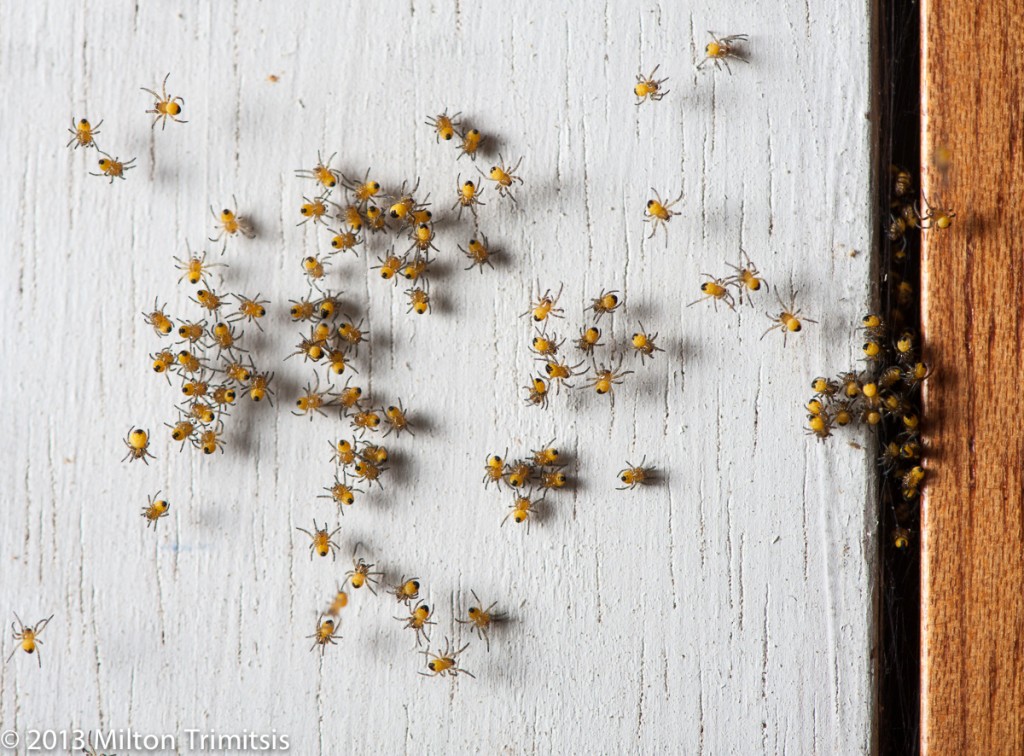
(973, 513)
(728, 609)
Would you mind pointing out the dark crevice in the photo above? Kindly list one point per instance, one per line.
(898, 265)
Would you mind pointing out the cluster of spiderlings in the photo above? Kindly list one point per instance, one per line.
(321, 303)
(210, 347)
(542, 310)
(356, 462)
(364, 209)
(208, 357)
(746, 280)
(83, 133)
(367, 210)
(885, 396)
(899, 460)
(362, 575)
(328, 342)
(412, 215)
(468, 193)
(419, 617)
(529, 479)
(884, 391)
(558, 371)
(909, 213)
(334, 339)
(605, 376)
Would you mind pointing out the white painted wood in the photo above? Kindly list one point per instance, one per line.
(728, 609)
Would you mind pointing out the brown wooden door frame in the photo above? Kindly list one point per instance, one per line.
(972, 549)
